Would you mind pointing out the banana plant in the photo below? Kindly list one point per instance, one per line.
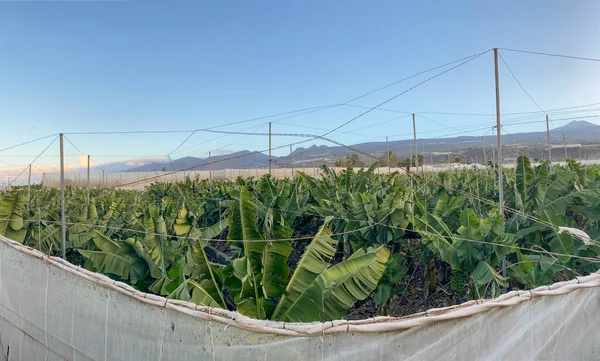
(12, 208)
(316, 290)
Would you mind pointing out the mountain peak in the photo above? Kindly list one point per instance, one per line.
(577, 126)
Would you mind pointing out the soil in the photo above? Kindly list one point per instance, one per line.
(413, 300)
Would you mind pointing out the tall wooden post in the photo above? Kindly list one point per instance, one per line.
(499, 136)
(415, 143)
(87, 186)
(303, 163)
(565, 146)
(292, 160)
(270, 160)
(548, 138)
(483, 146)
(210, 171)
(387, 151)
(29, 187)
(63, 225)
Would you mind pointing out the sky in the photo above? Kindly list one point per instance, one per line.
(110, 66)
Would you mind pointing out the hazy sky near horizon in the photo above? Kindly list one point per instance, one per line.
(88, 66)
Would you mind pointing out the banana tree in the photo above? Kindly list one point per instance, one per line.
(12, 207)
(316, 290)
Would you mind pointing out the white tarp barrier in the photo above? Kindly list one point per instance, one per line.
(51, 310)
(139, 180)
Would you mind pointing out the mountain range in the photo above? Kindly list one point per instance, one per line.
(533, 144)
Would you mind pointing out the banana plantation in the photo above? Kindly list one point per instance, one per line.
(308, 249)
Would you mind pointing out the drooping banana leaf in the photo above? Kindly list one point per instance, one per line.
(330, 294)
(243, 227)
(182, 226)
(80, 233)
(276, 271)
(315, 188)
(199, 269)
(12, 206)
(192, 291)
(118, 258)
(354, 281)
(314, 261)
(485, 276)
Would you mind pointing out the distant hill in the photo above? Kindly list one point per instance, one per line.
(243, 159)
(436, 149)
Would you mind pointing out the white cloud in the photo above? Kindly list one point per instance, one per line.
(82, 160)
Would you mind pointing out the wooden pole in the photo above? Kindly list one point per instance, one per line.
(292, 160)
(270, 160)
(303, 164)
(387, 151)
(499, 136)
(483, 146)
(415, 143)
(63, 225)
(87, 186)
(423, 154)
(210, 170)
(565, 146)
(29, 187)
(548, 138)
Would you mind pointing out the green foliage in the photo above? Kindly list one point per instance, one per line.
(352, 161)
(228, 244)
(388, 287)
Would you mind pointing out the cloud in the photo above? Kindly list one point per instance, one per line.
(134, 163)
(225, 150)
(82, 160)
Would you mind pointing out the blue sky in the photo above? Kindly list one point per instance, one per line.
(84, 66)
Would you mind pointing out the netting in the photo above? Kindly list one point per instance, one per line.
(52, 310)
(138, 180)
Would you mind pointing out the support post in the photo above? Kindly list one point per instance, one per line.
(387, 151)
(423, 154)
(63, 226)
(292, 160)
(548, 138)
(87, 186)
(303, 164)
(415, 143)
(29, 187)
(270, 160)
(499, 136)
(483, 146)
(493, 147)
(210, 170)
(565, 146)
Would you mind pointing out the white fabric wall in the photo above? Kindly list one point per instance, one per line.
(50, 313)
(138, 180)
